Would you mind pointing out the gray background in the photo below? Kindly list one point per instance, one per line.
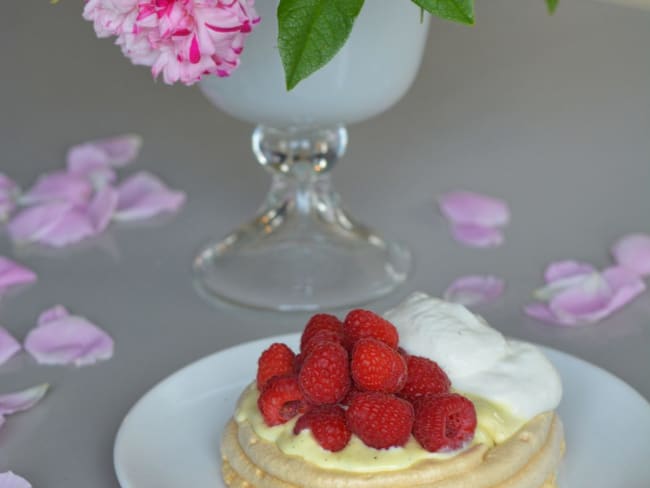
(552, 114)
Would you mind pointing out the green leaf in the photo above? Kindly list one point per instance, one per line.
(311, 32)
(552, 5)
(456, 10)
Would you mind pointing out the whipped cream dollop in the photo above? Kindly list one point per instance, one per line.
(477, 358)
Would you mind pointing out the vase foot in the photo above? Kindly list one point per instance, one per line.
(268, 268)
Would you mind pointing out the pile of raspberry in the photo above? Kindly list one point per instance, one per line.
(352, 378)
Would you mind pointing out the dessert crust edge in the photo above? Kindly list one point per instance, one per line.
(528, 459)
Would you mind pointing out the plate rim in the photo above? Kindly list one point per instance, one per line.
(118, 440)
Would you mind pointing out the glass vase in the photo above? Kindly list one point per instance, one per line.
(303, 251)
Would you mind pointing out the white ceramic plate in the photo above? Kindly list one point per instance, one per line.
(170, 438)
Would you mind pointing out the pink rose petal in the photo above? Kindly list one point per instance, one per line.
(464, 207)
(8, 345)
(477, 236)
(58, 187)
(7, 184)
(567, 269)
(541, 311)
(51, 314)
(13, 274)
(92, 163)
(633, 252)
(68, 340)
(113, 151)
(7, 206)
(585, 302)
(143, 196)
(475, 290)
(33, 223)
(22, 400)
(625, 284)
(585, 298)
(11, 480)
(55, 224)
(102, 207)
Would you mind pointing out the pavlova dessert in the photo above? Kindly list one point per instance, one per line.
(428, 395)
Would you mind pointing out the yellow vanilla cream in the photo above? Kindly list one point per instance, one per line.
(494, 425)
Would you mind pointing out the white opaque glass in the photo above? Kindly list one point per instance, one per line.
(374, 70)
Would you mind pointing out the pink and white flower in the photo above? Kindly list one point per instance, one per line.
(180, 39)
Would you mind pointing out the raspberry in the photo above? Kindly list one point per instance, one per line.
(380, 420)
(327, 425)
(403, 352)
(277, 360)
(377, 367)
(281, 400)
(325, 375)
(352, 392)
(363, 323)
(297, 363)
(425, 377)
(318, 323)
(444, 422)
(321, 336)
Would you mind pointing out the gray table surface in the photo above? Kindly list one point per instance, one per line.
(552, 114)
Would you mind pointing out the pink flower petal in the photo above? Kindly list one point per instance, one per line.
(553, 288)
(143, 196)
(6, 183)
(22, 400)
(55, 224)
(7, 206)
(625, 284)
(113, 151)
(586, 298)
(567, 269)
(68, 340)
(51, 314)
(102, 207)
(475, 290)
(32, 223)
(541, 311)
(477, 236)
(13, 274)
(58, 187)
(585, 302)
(10, 480)
(8, 345)
(464, 207)
(633, 252)
(92, 163)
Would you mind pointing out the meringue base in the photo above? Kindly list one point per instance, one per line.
(528, 459)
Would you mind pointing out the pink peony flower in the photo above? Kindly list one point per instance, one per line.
(180, 39)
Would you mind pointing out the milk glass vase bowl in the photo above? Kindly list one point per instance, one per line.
(303, 251)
